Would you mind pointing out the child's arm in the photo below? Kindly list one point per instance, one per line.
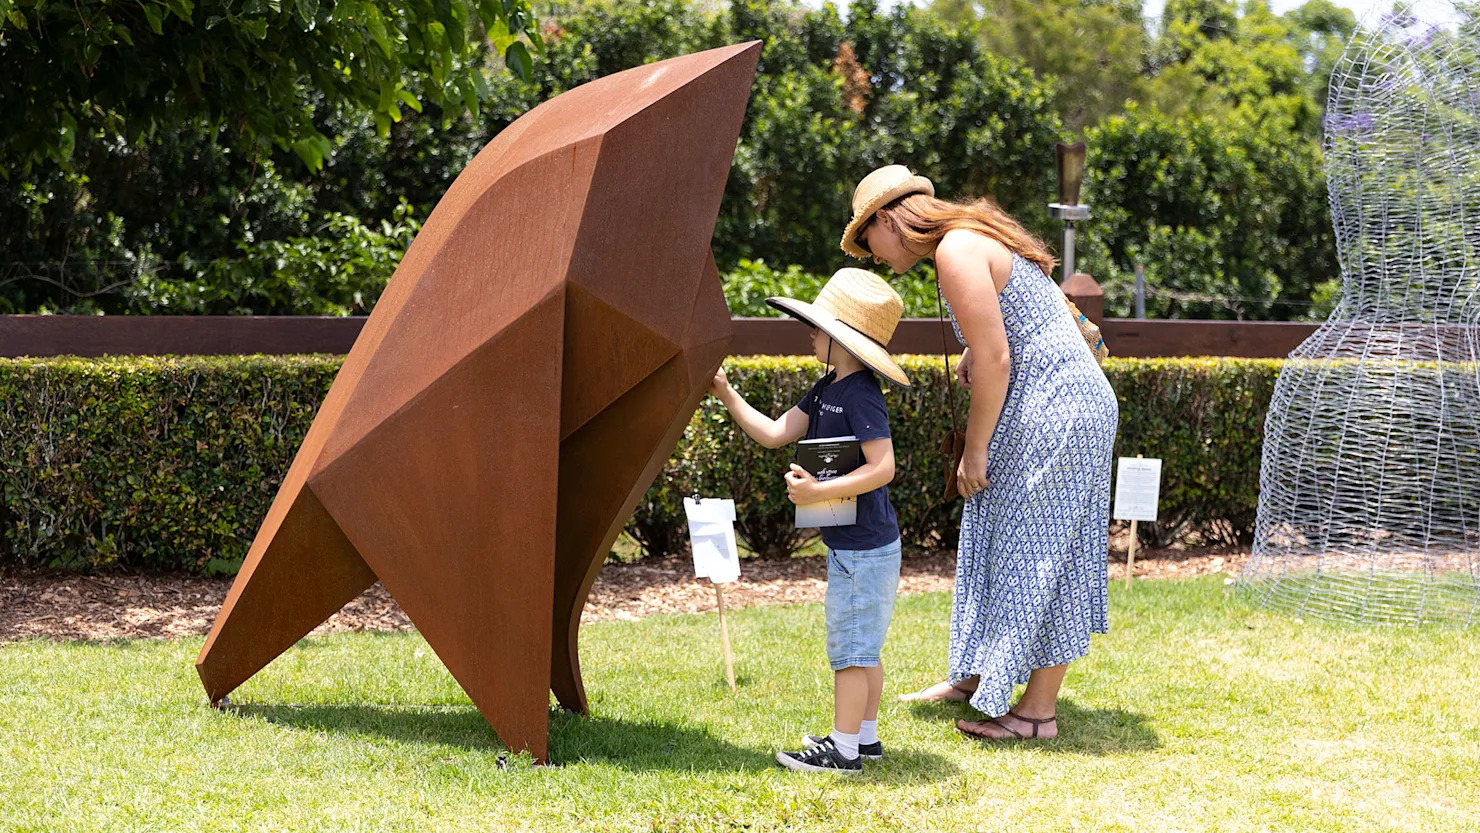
(771, 433)
(877, 470)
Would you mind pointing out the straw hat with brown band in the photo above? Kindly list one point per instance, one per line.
(875, 191)
(859, 311)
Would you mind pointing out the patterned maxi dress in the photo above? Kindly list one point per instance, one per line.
(1031, 565)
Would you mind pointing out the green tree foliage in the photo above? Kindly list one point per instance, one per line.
(339, 270)
(1094, 50)
(1213, 180)
(1205, 163)
(1211, 58)
(1267, 69)
(146, 227)
(833, 100)
(901, 87)
(74, 68)
(1229, 220)
(1321, 29)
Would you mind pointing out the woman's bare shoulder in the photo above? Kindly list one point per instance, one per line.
(966, 250)
(962, 241)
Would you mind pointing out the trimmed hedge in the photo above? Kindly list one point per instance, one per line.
(148, 463)
(171, 463)
(1203, 417)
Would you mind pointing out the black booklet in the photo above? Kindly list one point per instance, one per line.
(825, 458)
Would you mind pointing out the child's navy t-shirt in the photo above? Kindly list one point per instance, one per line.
(854, 405)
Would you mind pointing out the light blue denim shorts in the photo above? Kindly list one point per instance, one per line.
(860, 602)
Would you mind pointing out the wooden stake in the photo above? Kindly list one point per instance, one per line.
(1130, 558)
(724, 637)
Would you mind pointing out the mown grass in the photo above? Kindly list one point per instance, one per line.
(1195, 713)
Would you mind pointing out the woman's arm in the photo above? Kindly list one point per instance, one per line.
(973, 269)
(877, 470)
(771, 433)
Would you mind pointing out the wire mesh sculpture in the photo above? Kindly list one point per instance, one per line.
(1369, 505)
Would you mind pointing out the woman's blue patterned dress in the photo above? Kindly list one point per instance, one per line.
(1031, 565)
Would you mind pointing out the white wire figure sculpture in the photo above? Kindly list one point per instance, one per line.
(1369, 505)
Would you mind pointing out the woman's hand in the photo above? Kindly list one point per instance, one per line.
(963, 369)
(720, 384)
(801, 487)
(971, 474)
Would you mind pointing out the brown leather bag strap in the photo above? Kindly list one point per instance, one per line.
(945, 354)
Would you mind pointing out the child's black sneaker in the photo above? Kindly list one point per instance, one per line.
(824, 757)
(871, 751)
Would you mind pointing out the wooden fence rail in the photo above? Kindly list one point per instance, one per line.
(81, 335)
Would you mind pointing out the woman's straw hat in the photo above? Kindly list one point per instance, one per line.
(877, 190)
(859, 310)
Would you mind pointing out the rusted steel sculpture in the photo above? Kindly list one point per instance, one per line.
(523, 378)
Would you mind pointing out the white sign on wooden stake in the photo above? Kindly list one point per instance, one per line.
(1137, 489)
(712, 534)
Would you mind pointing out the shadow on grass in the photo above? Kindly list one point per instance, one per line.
(650, 746)
(636, 746)
(441, 725)
(1089, 731)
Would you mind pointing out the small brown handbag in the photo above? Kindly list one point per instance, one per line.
(953, 445)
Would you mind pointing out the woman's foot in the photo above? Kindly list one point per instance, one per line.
(944, 691)
(1010, 726)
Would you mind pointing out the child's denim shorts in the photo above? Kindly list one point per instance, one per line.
(860, 601)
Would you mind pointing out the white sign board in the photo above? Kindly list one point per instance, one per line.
(712, 535)
(1137, 489)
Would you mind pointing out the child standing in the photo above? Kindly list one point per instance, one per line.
(852, 319)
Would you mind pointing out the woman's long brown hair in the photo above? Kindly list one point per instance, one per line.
(923, 220)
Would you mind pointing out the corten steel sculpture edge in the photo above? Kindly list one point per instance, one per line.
(526, 373)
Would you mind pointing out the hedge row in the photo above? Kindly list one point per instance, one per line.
(171, 463)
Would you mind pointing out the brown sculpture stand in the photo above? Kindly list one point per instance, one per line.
(522, 380)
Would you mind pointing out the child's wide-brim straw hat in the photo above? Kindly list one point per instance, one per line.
(859, 311)
(875, 191)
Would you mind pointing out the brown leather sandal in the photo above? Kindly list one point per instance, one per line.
(1035, 722)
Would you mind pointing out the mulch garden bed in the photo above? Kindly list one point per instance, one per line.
(60, 605)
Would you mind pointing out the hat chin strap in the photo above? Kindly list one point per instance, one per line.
(812, 418)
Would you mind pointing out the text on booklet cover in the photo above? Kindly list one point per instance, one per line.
(825, 458)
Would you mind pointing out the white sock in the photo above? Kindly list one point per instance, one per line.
(846, 743)
(868, 731)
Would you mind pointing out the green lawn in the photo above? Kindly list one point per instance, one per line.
(1195, 713)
